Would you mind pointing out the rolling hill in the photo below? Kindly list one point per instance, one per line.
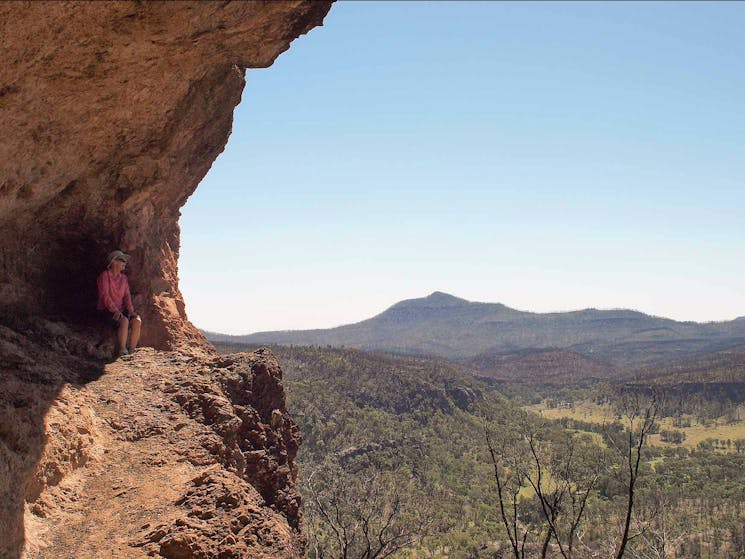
(445, 326)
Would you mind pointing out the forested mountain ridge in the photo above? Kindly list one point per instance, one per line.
(721, 366)
(549, 365)
(442, 325)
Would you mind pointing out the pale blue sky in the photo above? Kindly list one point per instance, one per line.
(548, 156)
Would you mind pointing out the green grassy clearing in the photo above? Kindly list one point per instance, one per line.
(694, 434)
(583, 411)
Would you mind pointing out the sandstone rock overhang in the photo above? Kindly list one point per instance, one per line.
(111, 113)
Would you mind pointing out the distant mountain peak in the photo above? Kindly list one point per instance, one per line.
(444, 297)
(435, 299)
(441, 324)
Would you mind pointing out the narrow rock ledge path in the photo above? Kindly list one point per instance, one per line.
(153, 462)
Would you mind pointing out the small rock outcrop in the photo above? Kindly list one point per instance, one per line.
(111, 113)
(168, 455)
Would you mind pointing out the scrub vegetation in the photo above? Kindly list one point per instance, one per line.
(413, 457)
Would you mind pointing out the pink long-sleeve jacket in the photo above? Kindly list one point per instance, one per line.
(113, 293)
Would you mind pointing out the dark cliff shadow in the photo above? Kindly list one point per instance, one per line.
(37, 359)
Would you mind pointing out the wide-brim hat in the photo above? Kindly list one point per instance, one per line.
(117, 255)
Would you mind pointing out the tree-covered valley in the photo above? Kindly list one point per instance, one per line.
(420, 457)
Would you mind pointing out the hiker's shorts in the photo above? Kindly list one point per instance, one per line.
(108, 319)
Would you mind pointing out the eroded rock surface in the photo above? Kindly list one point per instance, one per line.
(111, 113)
(168, 455)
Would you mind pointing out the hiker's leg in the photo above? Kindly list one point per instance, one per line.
(121, 334)
(135, 335)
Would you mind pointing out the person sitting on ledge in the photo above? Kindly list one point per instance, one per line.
(115, 302)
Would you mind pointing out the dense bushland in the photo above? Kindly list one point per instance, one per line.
(395, 462)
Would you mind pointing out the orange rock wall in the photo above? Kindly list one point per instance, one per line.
(111, 113)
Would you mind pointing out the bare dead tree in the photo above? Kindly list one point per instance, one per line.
(563, 472)
(640, 413)
(659, 536)
(574, 468)
(363, 515)
(511, 475)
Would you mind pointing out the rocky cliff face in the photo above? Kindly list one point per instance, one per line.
(110, 115)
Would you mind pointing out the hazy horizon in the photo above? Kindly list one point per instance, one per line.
(550, 156)
(470, 301)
